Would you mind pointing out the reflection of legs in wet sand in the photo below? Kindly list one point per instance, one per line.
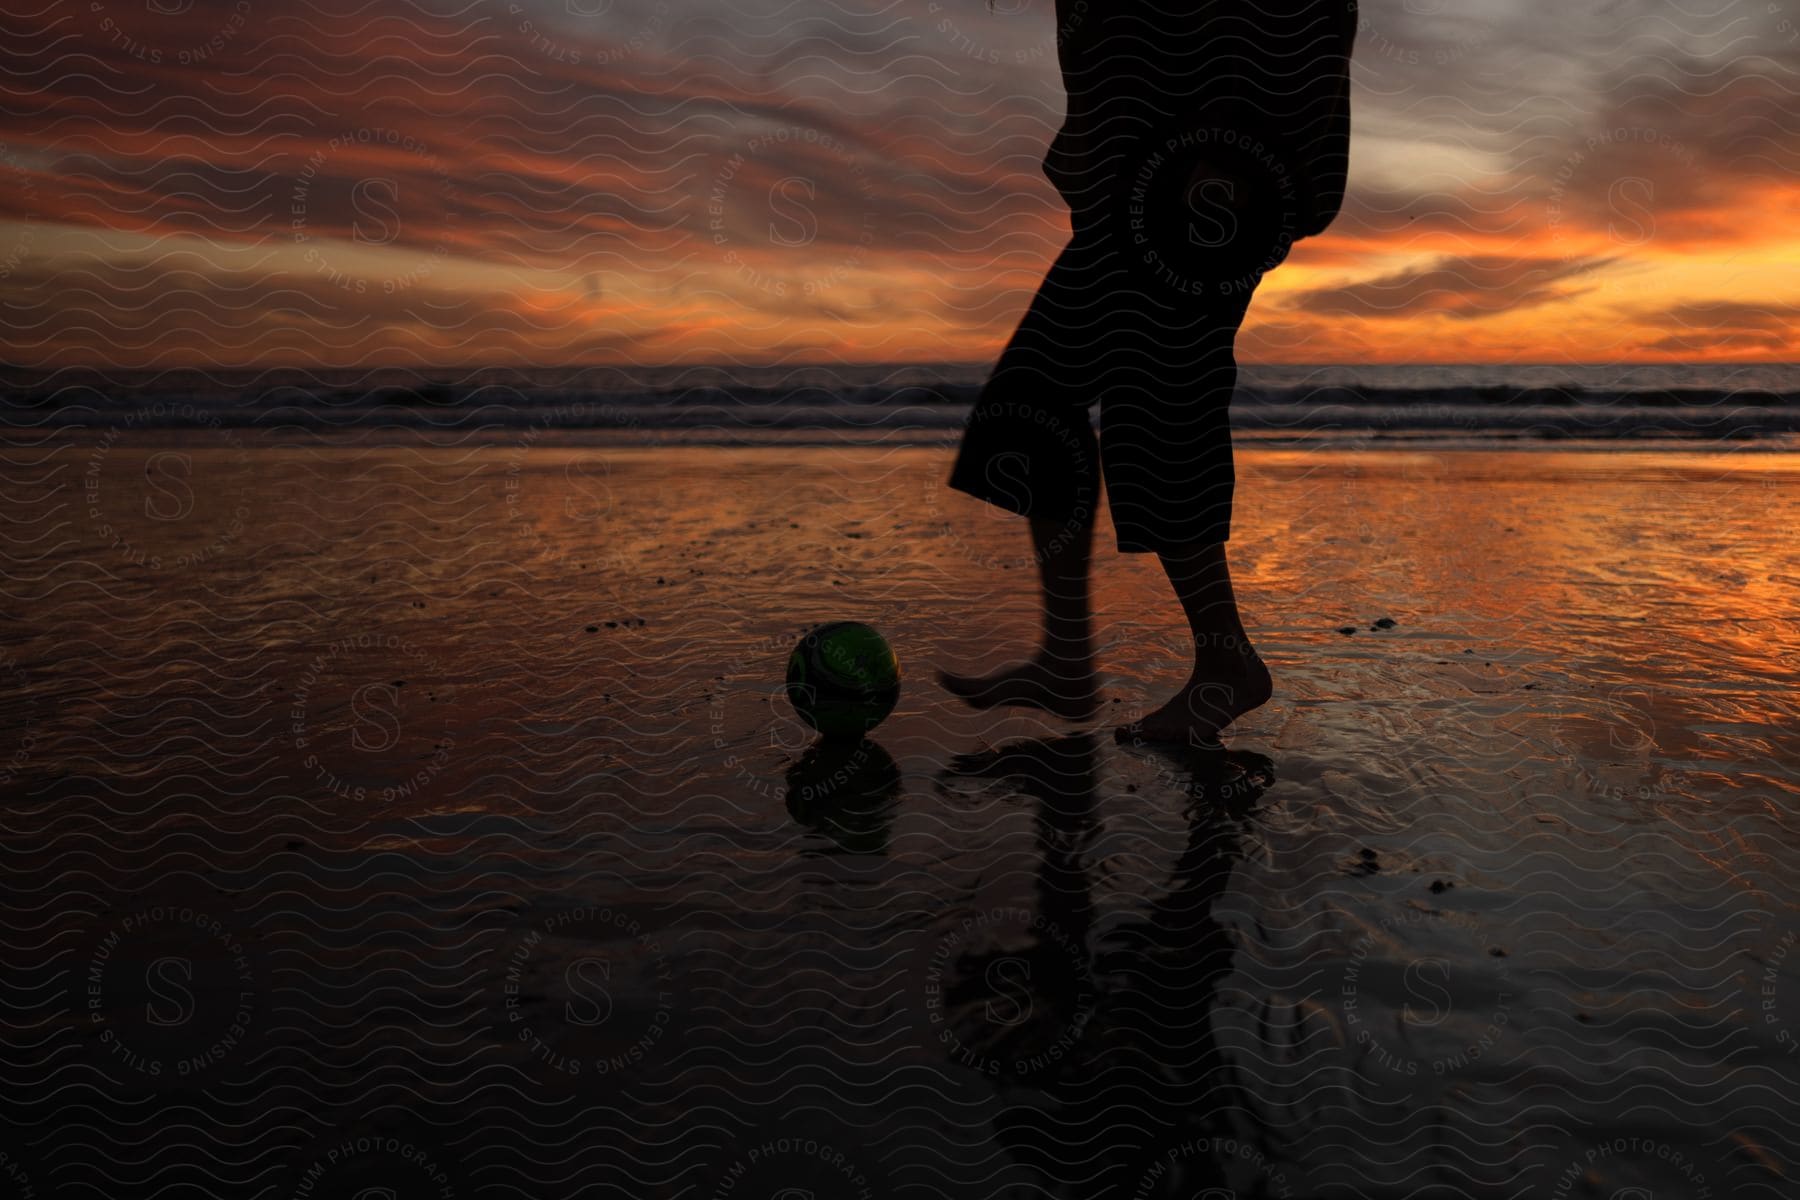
(1125, 1074)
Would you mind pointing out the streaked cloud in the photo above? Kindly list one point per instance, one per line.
(1467, 289)
(636, 179)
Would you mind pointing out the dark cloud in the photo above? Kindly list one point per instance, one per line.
(1465, 288)
(1726, 326)
(179, 309)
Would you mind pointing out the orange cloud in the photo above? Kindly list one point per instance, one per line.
(233, 182)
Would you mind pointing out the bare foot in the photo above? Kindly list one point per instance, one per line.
(1058, 686)
(1208, 702)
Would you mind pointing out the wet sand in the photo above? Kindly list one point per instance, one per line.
(446, 798)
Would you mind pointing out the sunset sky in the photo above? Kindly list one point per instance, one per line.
(463, 182)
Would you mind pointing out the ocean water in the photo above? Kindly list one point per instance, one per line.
(910, 404)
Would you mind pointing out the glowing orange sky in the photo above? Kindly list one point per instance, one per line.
(241, 184)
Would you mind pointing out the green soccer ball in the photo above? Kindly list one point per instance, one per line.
(843, 679)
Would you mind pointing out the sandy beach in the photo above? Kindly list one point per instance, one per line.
(431, 818)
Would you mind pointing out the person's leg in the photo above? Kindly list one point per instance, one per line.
(1029, 448)
(1166, 449)
(1228, 679)
(1059, 678)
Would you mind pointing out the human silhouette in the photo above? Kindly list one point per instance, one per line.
(1202, 140)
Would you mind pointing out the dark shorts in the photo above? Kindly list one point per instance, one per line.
(1154, 350)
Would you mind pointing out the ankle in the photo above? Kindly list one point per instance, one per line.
(1063, 659)
(1226, 654)
(1067, 642)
